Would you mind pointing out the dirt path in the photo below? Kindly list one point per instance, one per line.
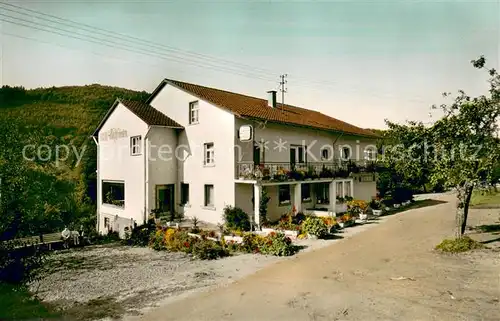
(351, 280)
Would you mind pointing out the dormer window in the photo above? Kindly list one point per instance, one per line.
(194, 110)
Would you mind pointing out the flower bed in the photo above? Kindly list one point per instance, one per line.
(276, 244)
(176, 240)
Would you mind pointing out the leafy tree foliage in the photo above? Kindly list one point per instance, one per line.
(461, 150)
(466, 143)
(42, 195)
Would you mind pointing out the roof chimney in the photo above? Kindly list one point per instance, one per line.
(271, 100)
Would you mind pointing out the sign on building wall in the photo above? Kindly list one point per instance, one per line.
(245, 133)
(113, 134)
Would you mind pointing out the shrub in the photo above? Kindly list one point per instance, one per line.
(95, 237)
(208, 250)
(299, 218)
(375, 204)
(315, 226)
(278, 244)
(236, 219)
(252, 242)
(19, 264)
(140, 235)
(264, 200)
(195, 229)
(287, 222)
(174, 240)
(462, 244)
(402, 194)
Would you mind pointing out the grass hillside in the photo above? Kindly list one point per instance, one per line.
(38, 194)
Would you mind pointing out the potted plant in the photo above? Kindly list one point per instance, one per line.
(357, 207)
(326, 173)
(345, 220)
(376, 207)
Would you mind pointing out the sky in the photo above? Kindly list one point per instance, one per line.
(358, 61)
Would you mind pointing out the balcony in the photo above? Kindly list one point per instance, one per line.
(280, 172)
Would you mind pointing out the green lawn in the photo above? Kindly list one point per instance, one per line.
(485, 198)
(16, 303)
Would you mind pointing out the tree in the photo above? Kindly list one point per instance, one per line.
(466, 149)
(461, 150)
(404, 146)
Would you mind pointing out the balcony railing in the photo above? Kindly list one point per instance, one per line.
(278, 171)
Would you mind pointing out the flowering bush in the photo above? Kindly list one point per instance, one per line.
(288, 222)
(208, 250)
(328, 220)
(346, 218)
(356, 207)
(252, 243)
(315, 226)
(274, 244)
(175, 240)
(277, 244)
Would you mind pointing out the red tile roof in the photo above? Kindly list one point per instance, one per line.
(144, 111)
(149, 115)
(257, 108)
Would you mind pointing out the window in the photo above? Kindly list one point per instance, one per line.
(325, 155)
(193, 112)
(113, 193)
(340, 189)
(284, 194)
(370, 154)
(135, 145)
(306, 192)
(347, 191)
(209, 154)
(209, 195)
(297, 154)
(323, 193)
(184, 194)
(346, 153)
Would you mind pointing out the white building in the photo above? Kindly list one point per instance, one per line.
(193, 150)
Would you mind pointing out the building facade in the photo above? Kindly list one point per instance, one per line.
(194, 150)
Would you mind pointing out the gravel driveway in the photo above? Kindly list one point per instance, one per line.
(113, 280)
(388, 273)
(134, 278)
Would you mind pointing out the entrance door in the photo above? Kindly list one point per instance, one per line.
(256, 155)
(165, 198)
(297, 155)
(293, 157)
